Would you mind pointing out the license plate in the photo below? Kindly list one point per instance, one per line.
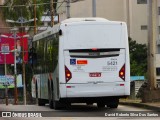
(95, 74)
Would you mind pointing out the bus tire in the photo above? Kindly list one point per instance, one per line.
(56, 105)
(113, 106)
(114, 103)
(51, 104)
(50, 96)
(41, 102)
(100, 105)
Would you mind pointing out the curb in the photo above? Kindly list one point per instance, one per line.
(142, 105)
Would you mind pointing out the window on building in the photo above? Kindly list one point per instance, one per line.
(158, 10)
(143, 27)
(159, 29)
(141, 1)
(158, 71)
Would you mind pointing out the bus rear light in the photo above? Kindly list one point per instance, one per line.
(94, 49)
(68, 74)
(122, 72)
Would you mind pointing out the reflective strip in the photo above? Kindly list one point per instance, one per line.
(110, 53)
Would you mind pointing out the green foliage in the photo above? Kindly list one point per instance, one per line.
(14, 12)
(25, 9)
(138, 58)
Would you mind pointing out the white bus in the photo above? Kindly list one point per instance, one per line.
(82, 60)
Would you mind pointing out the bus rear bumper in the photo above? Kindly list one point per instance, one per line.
(96, 90)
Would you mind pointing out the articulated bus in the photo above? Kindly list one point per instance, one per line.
(82, 60)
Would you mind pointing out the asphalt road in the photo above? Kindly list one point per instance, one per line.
(79, 112)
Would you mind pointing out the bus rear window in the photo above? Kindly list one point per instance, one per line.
(94, 53)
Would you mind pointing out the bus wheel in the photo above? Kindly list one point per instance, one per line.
(51, 104)
(100, 105)
(113, 104)
(41, 102)
(50, 95)
(56, 105)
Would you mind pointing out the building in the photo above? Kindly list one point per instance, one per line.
(133, 12)
(1, 2)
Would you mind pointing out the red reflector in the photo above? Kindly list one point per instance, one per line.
(121, 84)
(82, 62)
(122, 72)
(68, 74)
(68, 86)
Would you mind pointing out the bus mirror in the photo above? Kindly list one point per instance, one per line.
(60, 32)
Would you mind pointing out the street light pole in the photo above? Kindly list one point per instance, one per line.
(15, 72)
(21, 20)
(68, 9)
(94, 8)
(6, 86)
(23, 69)
(35, 23)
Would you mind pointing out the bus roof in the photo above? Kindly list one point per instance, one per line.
(56, 28)
(83, 19)
(48, 32)
(89, 19)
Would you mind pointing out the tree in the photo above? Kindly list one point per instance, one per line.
(138, 58)
(22, 8)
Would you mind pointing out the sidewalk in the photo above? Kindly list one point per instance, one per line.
(138, 103)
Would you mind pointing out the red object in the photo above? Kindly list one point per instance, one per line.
(82, 62)
(122, 72)
(94, 48)
(20, 44)
(68, 86)
(121, 84)
(96, 74)
(68, 74)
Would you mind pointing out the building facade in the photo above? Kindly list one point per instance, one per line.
(133, 12)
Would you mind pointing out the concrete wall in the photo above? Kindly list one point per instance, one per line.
(1, 2)
(138, 17)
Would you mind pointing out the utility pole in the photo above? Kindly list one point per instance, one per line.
(52, 12)
(35, 23)
(94, 8)
(20, 20)
(23, 67)
(15, 72)
(6, 86)
(68, 9)
(152, 37)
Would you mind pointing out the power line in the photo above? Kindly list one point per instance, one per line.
(54, 16)
(28, 5)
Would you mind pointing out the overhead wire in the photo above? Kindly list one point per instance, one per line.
(39, 27)
(28, 5)
(54, 16)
